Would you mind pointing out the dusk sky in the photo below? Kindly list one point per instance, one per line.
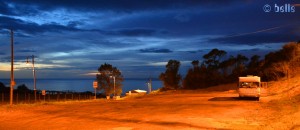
(72, 38)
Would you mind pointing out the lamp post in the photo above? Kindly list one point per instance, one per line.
(34, 76)
(114, 77)
(111, 76)
(149, 84)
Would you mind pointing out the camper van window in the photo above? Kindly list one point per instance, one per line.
(249, 84)
(245, 85)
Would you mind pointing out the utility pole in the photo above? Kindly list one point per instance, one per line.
(114, 86)
(34, 78)
(34, 75)
(150, 85)
(12, 81)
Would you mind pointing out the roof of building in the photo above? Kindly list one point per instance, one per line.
(138, 91)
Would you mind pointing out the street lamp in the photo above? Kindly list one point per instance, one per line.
(111, 76)
(149, 84)
(114, 77)
(34, 76)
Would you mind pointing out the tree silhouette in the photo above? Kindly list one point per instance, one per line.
(240, 66)
(3, 88)
(196, 76)
(212, 59)
(213, 71)
(23, 88)
(241, 60)
(278, 64)
(106, 81)
(195, 63)
(227, 65)
(171, 78)
(254, 66)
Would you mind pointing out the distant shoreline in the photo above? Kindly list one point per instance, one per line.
(153, 79)
(80, 85)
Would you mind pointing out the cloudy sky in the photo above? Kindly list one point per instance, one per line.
(72, 38)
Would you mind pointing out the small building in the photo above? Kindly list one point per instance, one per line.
(136, 92)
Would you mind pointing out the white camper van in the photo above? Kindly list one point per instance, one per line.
(249, 86)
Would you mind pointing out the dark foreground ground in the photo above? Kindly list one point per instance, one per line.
(170, 110)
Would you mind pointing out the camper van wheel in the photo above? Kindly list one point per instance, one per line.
(257, 99)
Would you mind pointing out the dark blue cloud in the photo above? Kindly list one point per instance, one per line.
(26, 50)
(121, 5)
(253, 39)
(251, 50)
(21, 58)
(85, 34)
(74, 24)
(226, 20)
(155, 50)
(193, 51)
(16, 9)
(140, 32)
(4, 8)
(32, 28)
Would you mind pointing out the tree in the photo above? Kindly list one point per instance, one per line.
(241, 60)
(195, 77)
(3, 88)
(278, 64)
(240, 66)
(212, 59)
(191, 76)
(227, 65)
(254, 66)
(23, 88)
(171, 78)
(195, 63)
(105, 79)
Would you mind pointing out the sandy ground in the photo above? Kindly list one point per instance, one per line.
(171, 110)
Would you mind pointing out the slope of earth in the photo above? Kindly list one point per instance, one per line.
(183, 109)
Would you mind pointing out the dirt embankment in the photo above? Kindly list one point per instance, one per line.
(213, 108)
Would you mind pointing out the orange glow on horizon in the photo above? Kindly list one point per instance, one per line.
(22, 65)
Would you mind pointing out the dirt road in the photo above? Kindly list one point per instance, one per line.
(172, 110)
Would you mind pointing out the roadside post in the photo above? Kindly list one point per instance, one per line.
(44, 94)
(95, 86)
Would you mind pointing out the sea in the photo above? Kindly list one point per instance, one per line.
(81, 85)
